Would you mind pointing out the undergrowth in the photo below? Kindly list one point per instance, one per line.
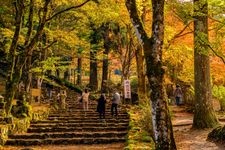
(140, 133)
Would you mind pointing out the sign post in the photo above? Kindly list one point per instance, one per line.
(127, 90)
(36, 93)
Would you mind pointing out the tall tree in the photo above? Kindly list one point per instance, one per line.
(107, 40)
(95, 38)
(162, 126)
(125, 47)
(204, 116)
(100, 37)
(21, 54)
(79, 70)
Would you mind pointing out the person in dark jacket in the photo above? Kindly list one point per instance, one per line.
(178, 95)
(101, 106)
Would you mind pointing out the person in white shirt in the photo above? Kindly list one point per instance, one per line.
(85, 99)
(63, 96)
(115, 102)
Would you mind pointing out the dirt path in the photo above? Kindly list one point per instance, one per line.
(195, 140)
(187, 138)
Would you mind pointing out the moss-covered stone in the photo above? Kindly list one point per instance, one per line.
(217, 134)
(3, 134)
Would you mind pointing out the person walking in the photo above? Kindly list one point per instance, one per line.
(63, 96)
(178, 95)
(115, 102)
(85, 99)
(101, 106)
(58, 98)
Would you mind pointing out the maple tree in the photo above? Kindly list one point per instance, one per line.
(46, 37)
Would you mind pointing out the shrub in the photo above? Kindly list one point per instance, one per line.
(219, 93)
(140, 133)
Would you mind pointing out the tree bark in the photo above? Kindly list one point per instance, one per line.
(93, 70)
(105, 68)
(162, 126)
(15, 73)
(79, 70)
(105, 65)
(95, 39)
(204, 116)
(66, 74)
(27, 73)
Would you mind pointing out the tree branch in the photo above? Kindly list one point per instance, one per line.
(67, 9)
(30, 22)
(49, 45)
(221, 57)
(179, 34)
(136, 21)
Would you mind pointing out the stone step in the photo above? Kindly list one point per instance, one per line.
(75, 129)
(74, 126)
(81, 109)
(91, 106)
(83, 118)
(68, 135)
(74, 114)
(81, 121)
(88, 113)
(64, 141)
(178, 109)
(41, 125)
(78, 109)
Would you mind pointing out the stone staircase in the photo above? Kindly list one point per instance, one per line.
(73, 126)
(181, 119)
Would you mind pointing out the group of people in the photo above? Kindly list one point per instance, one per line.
(101, 103)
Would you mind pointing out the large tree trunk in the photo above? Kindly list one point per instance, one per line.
(95, 39)
(27, 73)
(66, 75)
(105, 65)
(204, 116)
(93, 70)
(11, 88)
(162, 126)
(105, 71)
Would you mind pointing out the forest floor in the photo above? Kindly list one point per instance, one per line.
(186, 138)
